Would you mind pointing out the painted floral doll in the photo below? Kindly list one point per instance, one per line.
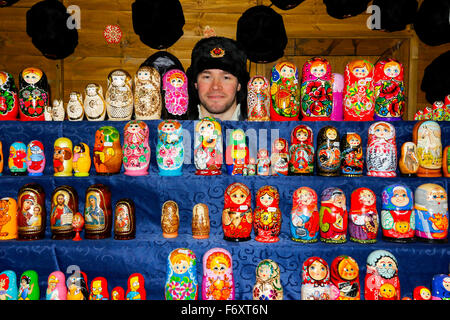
(363, 216)
(301, 151)
(381, 154)
(33, 94)
(208, 149)
(170, 149)
(267, 215)
(352, 162)
(333, 216)
(279, 158)
(237, 153)
(218, 279)
(181, 281)
(315, 280)
(285, 92)
(268, 285)
(136, 149)
(304, 224)
(9, 102)
(176, 98)
(237, 213)
(328, 152)
(258, 99)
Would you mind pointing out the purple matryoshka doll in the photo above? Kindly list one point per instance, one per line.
(333, 216)
(315, 280)
(337, 80)
(181, 280)
(316, 90)
(363, 216)
(35, 158)
(352, 161)
(440, 287)
(9, 102)
(304, 222)
(176, 99)
(381, 154)
(170, 149)
(258, 99)
(381, 280)
(285, 92)
(208, 148)
(33, 94)
(8, 285)
(136, 150)
(17, 158)
(301, 151)
(267, 215)
(56, 289)
(218, 279)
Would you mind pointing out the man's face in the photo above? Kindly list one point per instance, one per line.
(217, 90)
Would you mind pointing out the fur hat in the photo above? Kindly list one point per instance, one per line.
(286, 4)
(396, 15)
(261, 33)
(432, 22)
(47, 27)
(163, 61)
(341, 9)
(435, 81)
(158, 23)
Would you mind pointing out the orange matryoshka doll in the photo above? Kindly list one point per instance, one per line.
(218, 279)
(285, 92)
(237, 213)
(267, 215)
(107, 151)
(8, 218)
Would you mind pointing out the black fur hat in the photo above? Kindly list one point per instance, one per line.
(435, 81)
(158, 23)
(341, 9)
(163, 61)
(47, 27)
(286, 4)
(261, 34)
(432, 22)
(396, 15)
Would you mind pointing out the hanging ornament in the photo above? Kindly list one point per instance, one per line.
(112, 33)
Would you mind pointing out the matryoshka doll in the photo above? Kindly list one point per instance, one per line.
(363, 216)
(8, 218)
(8, 285)
(304, 224)
(445, 162)
(237, 213)
(427, 113)
(218, 279)
(99, 289)
(17, 159)
(107, 151)
(337, 80)
(438, 111)
(31, 212)
(119, 96)
(315, 280)
(285, 92)
(97, 212)
(263, 162)
(136, 287)
(9, 102)
(64, 202)
(359, 98)
(333, 216)
(381, 153)
(181, 280)
(29, 286)
(352, 162)
(431, 213)
(389, 90)
(447, 108)
(58, 111)
(124, 220)
(56, 286)
(81, 161)
(94, 104)
(35, 158)
(176, 98)
(237, 153)
(267, 215)
(317, 90)
(77, 286)
(208, 148)
(421, 293)
(117, 293)
(345, 277)
(328, 156)
(268, 284)
(408, 163)
(74, 107)
(279, 158)
(170, 219)
(1, 159)
(301, 151)
(397, 216)
(136, 149)
(33, 94)
(427, 137)
(147, 94)
(440, 287)
(381, 280)
(63, 157)
(418, 115)
(258, 99)
(200, 221)
(170, 149)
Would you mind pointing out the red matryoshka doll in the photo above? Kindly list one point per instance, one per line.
(352, 162)
(381, 153)
(263, 162)
(176, 98)
(418, 115)
(333, 216)
(33, 94)
(77, 286)
(279, 159)
(119, 96)
(268, 285)
(301, 151)
(117, 293)
(328, 152)
(389, 90)
(31, 212)
(64, 205)
(438, 111)
(337, 80)
(99, 289)
(208, 148)
(446, 162)
(63, 157)
(427, 113)
(124, 220)
(237, 213)
(304, 224)
(94, 103)
(382, 281)
(8, 218)
(285, 92)
(97, 212)
(345, 277)
(408, 163)
(17, 158)
(9, 102)
(315, 280)
(35, 158)
(447, 108)
(359, 98)
(136, 287)
(258, 99)
(81, 161)
(56, 286)
(427, 137)
(77, 224)
(218, 279)
(136, 150)
(181, 280)
(237, 153)
(107, 151)
(317, 90)
(421, 293)
(363, 216)
(147, 94)
(431, 213)
(267, 215)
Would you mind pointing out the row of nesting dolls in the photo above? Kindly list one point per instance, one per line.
(439, 111)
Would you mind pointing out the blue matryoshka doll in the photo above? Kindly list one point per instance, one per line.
(170, 149)
(8, 285)
(181, 281)
(440, 287)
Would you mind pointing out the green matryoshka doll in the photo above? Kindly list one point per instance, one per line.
(29, 286)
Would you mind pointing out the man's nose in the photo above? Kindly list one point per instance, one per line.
(217, 83)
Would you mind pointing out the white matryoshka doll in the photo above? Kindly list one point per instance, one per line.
(170, 149)
(147, 94)
(8, 285)
(315, 280)
(75, 108)
(94, 103)
(176, 98)
(208, 148)
(181, 280)
(119, 95)
(56, 286)
(136, 150)
(34, 94)
(258, 99)
(427, 138)
(268, 285)
(58, 112)
(263, 162)
(382, 281)
(9, 102)
(218, 279)
(285, 92)
(381, 154)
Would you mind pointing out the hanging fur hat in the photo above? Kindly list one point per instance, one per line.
(396, 15)
(435, 81)
(286, 4)
(261, 34)
(47, 27)
(158, 23)
(341, 9)
(432, 22)
(7, 3)
(163, 61)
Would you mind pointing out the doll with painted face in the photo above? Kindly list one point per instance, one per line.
(316, 90)
(447, 108)
(389, 90)
(119, 96)
(285, 92)
(170, 149)
(427, 137)
(352, 161)
(237, 216)
(258, 99)
(328, 152)
(268, 285)
(218, 279)
(181, 280)
(35, 158)
(117, 293)
(421, 293)
(438, 111)
(98, 212)
(263, 162)
(8, 218)
(304, 224)
(333, 216)
(381, 280)
(337, 81)
(17, 162)
(56, 286)
(440, 287)
(136, 287)
(208, 149)
(107, 151)
(267, 215)
(315, 280)
(94, 104)
(176, 98)
(64, 204)
(124, 219)
(8, 285)
(301, 151)
(445, 162)
(75, 108)
(279, 159)
(99, 289)
(31, 213)
(77, 286)
(9, 102)
(34, 94)
(29, 286)
(62, 157)
(136, 149)
(408, 163)
(363, 216)
(81, 161)
(345, 277)
(381, 154)
(237, 153)
(147, 94)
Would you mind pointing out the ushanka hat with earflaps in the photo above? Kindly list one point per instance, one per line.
(432, 23)
(396, 15)
(435, 81)
(341, 9)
